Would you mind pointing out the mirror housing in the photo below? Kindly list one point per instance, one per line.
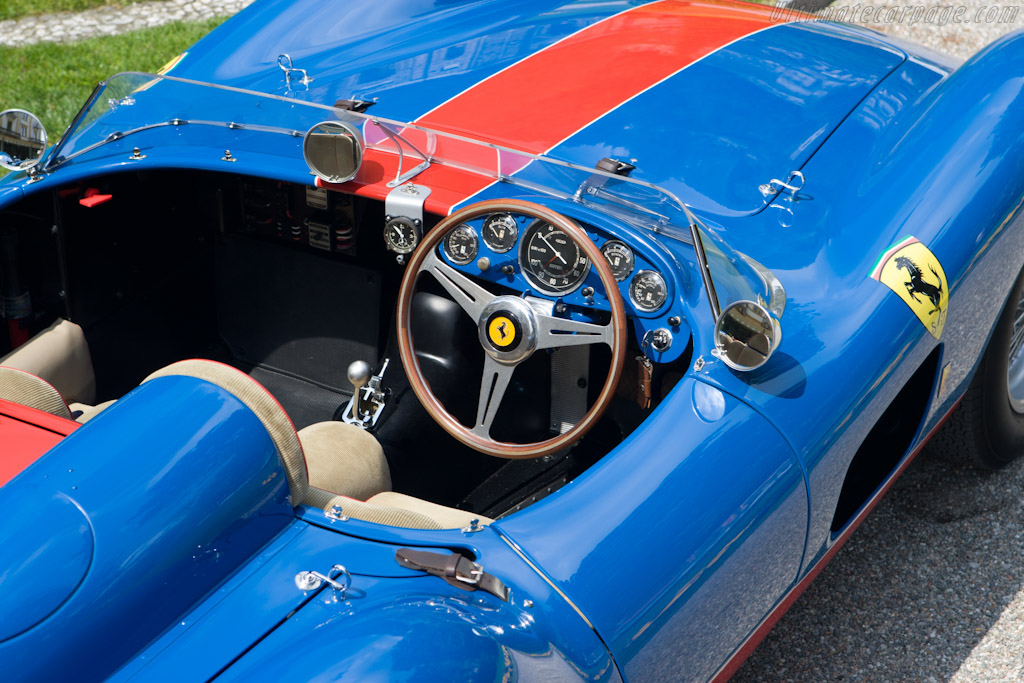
(333, 151)
(23, 140)
(746, 335)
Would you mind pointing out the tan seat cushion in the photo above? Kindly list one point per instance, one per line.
(345, 460)
(88, 412)
(28, 390)
(261, 402)
(448, 518)
(397, 509)
(59, 355)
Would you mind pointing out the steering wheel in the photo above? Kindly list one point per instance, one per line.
(523, 331)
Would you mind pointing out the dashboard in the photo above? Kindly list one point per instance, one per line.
(538, 260)
(516, 252)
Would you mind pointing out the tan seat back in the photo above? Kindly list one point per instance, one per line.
(28, 390)
(60, 355)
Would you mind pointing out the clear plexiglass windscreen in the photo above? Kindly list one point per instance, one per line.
(149, 111)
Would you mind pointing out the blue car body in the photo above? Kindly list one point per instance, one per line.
(159, 542)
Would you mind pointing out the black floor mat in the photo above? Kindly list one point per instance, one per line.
(305, 402)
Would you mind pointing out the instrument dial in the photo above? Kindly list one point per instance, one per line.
(551, 260)
(648, 290)
(500, 232)
(401, 235)
(619, 257)
(460, 244)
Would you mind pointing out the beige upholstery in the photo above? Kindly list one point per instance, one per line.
(88, 412)
(28, 390)
(250, 392)
(341, 458)
(344, 459)
(59, 355)
(448, 518)
(398, 509)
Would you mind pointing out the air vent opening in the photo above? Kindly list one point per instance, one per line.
(888, 441)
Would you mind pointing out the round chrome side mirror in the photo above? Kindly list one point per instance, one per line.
(746, 335)
(333, 150)
(22, 140)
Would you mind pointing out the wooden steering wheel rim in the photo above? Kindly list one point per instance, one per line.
(513, 451)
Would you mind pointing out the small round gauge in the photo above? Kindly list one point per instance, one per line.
(620, 258)
(460, 244)
(401, 235)
(500, 232)
(551, 260)
(648, 290)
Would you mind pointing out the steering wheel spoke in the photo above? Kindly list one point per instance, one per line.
(509, 330)
(495, 381)
(557, 332)
(467, 294)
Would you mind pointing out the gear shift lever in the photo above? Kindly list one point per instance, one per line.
(367, 396)
(358, 375)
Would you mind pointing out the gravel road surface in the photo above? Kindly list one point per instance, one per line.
(107, 21)
(929, 588)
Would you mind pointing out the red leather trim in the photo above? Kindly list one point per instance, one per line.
(741, 655)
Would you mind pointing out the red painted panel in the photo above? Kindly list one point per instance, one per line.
(25, 434)
(545, 98)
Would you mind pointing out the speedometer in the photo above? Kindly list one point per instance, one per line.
(551, 260)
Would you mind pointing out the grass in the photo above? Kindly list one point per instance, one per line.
(52, 80)
(13, 9)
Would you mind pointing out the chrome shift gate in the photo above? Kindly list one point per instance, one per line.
(368, 397)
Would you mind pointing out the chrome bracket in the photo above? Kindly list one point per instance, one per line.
(337, 578)
(407, 201)
(405, 204)
(366, 405)
(293, 74)
(794, 184)
(398, 139)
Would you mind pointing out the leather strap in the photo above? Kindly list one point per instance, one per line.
(456, 569)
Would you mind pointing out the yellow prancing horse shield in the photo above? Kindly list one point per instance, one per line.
(911, 270)
(501, 331)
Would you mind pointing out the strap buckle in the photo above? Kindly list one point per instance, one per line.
(456, 569)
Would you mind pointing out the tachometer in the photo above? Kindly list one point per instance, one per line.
(500, 232)
(461, 244)
(551, 260)
(619, 257)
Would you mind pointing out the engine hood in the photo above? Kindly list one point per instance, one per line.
(711, 99)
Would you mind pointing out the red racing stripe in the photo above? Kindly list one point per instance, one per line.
(547, 97)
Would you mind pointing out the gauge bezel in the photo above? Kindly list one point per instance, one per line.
(416, 232)
(515, 233)
(461, 228)
(632, 258)
(532, 279)
(643, 307)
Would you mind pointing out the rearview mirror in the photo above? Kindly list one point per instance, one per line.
(746, 335)
(333, 151)
(22, 140)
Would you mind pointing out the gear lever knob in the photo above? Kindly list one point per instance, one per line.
(358, 374)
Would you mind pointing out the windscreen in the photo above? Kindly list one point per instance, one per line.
(139, 108)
